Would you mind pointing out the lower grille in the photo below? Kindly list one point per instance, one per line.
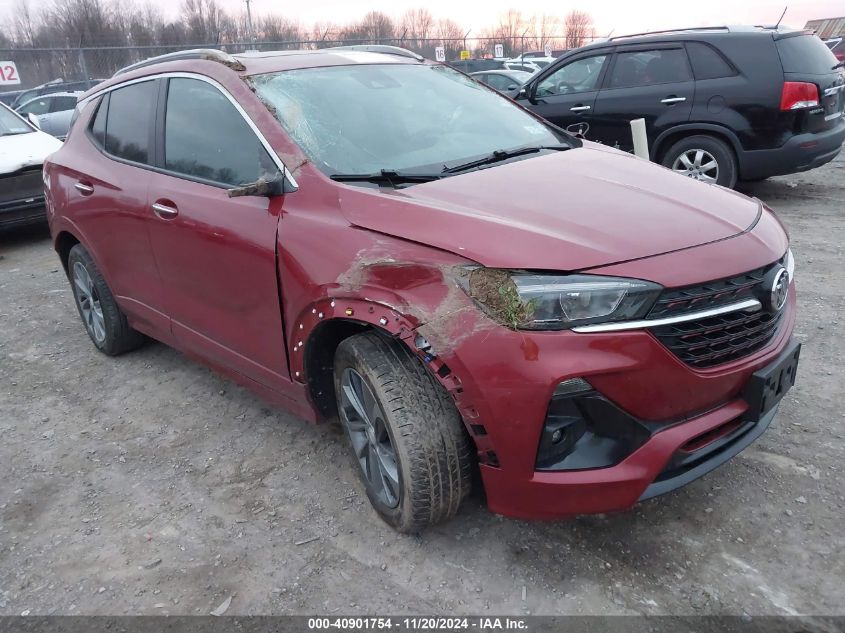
(717, 339)
(22, 185)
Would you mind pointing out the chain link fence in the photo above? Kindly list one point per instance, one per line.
(40, 65)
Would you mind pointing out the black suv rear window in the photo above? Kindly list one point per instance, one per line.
(805, 54)
(707, 63)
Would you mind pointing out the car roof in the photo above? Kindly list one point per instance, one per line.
(258, 63)
(50, 95)
(702, 33)
(499, 71)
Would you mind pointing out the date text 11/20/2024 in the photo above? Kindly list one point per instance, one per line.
(419, 623)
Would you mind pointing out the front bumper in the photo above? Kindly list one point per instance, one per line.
(23, 211)
(699, 411)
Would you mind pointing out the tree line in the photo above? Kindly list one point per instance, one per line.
(103, 23)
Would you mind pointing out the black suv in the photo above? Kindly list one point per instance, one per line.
(720, 104)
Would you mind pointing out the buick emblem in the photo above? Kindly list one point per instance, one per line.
(779, 291)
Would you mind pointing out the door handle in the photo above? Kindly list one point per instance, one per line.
(671, 100)
(85, 190)
(581, 108)
(164, 211)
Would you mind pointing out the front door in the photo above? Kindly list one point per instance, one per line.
(216, 254)
(566, 95)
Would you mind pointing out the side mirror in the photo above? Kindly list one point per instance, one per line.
(33, 119)
(523, 93)
(263, 187)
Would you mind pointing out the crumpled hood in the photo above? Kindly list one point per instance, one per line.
(568, 210)
(25, 150)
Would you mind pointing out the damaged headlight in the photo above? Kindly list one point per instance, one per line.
(533, 301)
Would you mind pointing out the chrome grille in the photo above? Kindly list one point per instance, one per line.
(713, 340)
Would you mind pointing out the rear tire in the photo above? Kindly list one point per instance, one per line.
(422, 453)
(704, 158)
(103, 320)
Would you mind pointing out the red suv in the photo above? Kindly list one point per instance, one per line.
(372, 237)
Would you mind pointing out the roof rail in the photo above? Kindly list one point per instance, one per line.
(194, 53)
(378, 48)
(733, 28)
(666, 31)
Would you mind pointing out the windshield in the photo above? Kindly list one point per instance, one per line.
(11, 124)
(365, 118)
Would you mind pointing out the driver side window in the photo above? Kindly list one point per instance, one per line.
(582, 75)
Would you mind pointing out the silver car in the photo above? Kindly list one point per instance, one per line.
(52, 113)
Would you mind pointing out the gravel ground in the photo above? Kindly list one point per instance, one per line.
(147, 484)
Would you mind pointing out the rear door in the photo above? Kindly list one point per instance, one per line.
(566, 95)
(104, 173)
(805, 58)
(652, 82)
(216, 254)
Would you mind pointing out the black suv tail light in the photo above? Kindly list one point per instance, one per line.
(799, 94)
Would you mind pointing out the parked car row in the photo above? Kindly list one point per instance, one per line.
(380, 240)
(23, 148)
(837, 47)
(720, 105)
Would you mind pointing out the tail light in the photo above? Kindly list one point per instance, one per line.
(799, 94)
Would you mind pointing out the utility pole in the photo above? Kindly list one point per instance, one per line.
(249, 23)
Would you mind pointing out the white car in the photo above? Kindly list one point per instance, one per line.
(23, 148)
(52, 112)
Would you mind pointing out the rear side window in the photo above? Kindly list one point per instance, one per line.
(648, 68)
(707, 63)
(98, 126)
(129, 121)
(60, 104)
(205, 137)
(805, 54)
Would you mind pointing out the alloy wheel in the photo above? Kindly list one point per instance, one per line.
(365, 424)
(699, 164)
(88, 301)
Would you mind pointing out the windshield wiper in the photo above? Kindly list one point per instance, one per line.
(839, 65)
(503, 154)
(386, 177)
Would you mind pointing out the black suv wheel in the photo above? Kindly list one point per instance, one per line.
(704, 158)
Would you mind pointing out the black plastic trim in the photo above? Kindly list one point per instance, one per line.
(660, 487)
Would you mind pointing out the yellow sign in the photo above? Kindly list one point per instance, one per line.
(465, 54)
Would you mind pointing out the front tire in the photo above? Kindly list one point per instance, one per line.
(103, 320)
(413, 454)
(703, 158)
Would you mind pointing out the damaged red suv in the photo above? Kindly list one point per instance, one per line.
(370, 237)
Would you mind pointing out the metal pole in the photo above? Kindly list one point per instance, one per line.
(249, 23)
(83, 66)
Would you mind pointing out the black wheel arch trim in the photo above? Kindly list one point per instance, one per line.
(694, 128)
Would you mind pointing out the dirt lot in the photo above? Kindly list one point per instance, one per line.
(147, 484)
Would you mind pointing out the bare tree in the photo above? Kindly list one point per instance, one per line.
(451, 35)
(509, 32)
(275, 28)
(416, 25)
(203, 21)
(377, 26)
(24, 28)
(578, 26)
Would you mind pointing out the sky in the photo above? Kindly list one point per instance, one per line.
(624, 16)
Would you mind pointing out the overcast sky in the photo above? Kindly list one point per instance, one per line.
(625, 16)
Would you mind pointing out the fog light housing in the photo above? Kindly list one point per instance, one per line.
(584, 430)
